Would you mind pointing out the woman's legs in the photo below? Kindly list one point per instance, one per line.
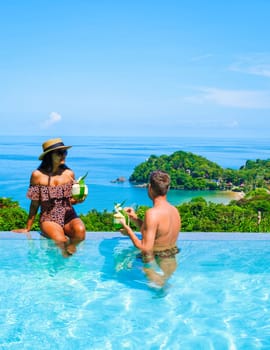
(75, 230)
(55, 232)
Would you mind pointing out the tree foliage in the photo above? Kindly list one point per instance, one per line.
(189, 171)
(12, 216)
(250, 214)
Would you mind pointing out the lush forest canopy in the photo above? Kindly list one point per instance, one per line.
(192, 172)
(189, 171)
(249, 214)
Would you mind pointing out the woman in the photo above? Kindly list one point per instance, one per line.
(51, 190)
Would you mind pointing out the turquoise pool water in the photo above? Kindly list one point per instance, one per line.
(219, 297)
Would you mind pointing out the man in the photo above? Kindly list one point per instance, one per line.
(160, 230)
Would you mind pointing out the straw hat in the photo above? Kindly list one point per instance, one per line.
(52, 145)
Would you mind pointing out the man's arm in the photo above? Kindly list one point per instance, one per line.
(133, 217)
(148, 230)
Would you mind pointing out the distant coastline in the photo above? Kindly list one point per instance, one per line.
(235, 195)
(107, 158)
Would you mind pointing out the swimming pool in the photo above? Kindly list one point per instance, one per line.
(99, 298)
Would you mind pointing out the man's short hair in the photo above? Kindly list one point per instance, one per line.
(160, 182)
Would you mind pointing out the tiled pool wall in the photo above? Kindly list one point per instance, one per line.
(183, 236)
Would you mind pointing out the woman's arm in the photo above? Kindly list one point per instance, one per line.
(31, 217)
(34, 205)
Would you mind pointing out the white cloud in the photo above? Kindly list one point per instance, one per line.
(233, 98)
(201, 57)
(53, 118)
(210, 123)
(232, 124)
(256, 64)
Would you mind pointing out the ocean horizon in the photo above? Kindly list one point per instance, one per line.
(107, 158)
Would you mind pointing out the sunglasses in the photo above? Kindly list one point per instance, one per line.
(61, 153)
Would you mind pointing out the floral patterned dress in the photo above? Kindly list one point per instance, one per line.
(54, 202)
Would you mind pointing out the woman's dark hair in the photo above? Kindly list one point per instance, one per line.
(46, 164)
(160, 182)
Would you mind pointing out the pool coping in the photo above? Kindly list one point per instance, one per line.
(183, 236)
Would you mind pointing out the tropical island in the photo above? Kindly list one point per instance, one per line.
(188, 172)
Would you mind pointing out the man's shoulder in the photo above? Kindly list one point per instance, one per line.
(153, 212)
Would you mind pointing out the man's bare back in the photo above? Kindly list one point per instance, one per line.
(160, 230)
(169, 225)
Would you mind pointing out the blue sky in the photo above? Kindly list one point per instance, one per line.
(138, 68)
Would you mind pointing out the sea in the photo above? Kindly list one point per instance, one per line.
(107, 158)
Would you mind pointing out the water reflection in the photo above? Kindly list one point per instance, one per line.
(45, 257)
(122, 261)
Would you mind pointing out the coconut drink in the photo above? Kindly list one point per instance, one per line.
(80, 189)
(118, 215)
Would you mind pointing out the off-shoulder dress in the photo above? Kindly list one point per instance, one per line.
(54, 202)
